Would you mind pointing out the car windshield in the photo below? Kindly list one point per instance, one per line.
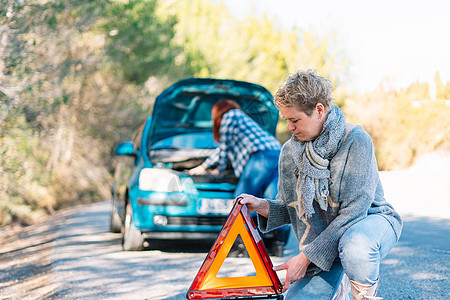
(191, 112)
(188, 111)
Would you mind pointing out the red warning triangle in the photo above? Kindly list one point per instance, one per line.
(207, 285)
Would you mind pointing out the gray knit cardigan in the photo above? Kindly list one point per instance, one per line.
(355, 192)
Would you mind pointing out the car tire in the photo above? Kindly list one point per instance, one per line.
(132, 239)
(115, 224)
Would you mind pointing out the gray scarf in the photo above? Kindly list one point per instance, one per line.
(312, 159)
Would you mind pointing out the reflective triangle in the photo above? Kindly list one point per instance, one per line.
(207, 285)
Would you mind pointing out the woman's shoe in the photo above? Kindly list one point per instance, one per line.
(364, 291)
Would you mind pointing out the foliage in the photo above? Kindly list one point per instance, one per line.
(139, 43)
(21, 164)
(255, 48)
(404, 124)
(60, 100)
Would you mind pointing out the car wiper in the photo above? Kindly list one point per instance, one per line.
(169, 147)
(184, 125)
(197, 124)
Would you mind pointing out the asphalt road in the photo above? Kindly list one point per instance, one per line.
(88, 262)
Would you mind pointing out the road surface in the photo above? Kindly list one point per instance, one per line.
(88, 261)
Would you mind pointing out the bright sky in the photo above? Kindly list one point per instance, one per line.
(405, 40)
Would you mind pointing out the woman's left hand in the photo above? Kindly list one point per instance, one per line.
(295, 269)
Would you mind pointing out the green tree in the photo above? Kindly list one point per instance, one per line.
(138, 42)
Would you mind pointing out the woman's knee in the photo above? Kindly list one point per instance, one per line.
(355, 248)
(358, 257)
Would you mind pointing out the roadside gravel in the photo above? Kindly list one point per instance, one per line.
(26, 269)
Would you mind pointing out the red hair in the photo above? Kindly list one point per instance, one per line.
(218, 110)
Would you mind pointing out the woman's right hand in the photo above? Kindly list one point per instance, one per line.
(261, 206)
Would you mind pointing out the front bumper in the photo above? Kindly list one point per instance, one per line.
(179, 235)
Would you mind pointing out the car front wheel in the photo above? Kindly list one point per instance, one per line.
(115, 224)
(132, 239)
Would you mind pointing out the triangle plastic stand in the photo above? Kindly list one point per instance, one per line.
(264, 285)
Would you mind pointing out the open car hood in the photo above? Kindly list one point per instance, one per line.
(185, 107)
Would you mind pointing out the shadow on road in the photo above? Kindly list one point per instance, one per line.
(419, 266)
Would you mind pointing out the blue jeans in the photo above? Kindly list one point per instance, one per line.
(260, 175)
(260, 179)
(361, 249)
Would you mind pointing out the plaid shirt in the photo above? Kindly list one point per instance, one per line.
(240, 137)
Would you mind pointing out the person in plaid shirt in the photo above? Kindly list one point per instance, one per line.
(253, 154)
(252, 151)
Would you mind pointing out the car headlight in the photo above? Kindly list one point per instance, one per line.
(159, 180)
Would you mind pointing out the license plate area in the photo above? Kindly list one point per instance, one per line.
(214, 206)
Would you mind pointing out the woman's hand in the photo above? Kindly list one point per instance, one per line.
(295, 269)
(261, 206)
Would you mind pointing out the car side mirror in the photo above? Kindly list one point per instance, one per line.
(125, 148)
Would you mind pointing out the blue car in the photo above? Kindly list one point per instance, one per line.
(153, 195)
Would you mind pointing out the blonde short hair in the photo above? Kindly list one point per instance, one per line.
(303, 90)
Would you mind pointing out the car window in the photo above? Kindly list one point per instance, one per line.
(203, 111)
(176, 110)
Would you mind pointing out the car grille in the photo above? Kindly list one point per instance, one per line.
(210, 178)
(196, 221)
